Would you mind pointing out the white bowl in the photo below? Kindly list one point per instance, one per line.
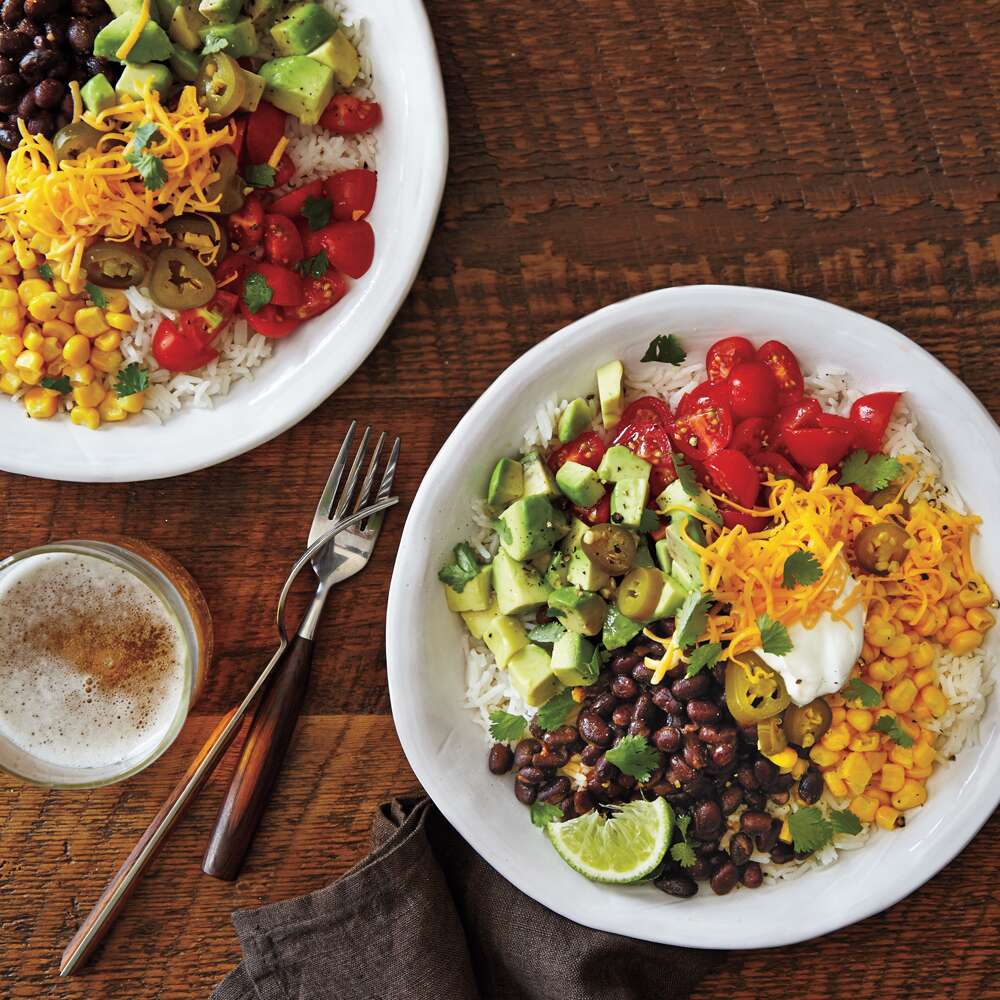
(444, 744)
(315, 360)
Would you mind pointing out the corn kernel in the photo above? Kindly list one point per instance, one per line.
(876, 759)
(878, 794)
(32, 339)
(933, 699)
(110, 409)
(952, 627)
(859, 719)
(975, 594)
(11, 321)
(135, 403)
(88, 395)
(892, 777)
(881, 670)
(838, 715)
(106, 361)
(864, 808)
(901, 695)
(837, 737)
(58, 329)
(919, 773)
(923, 754)
(868, 652)
(10, 383)
(50, 350)
(898, 645)
(924, 677)
(887, 818)
(799, 768)
(69, 310)
(30, 288)
(82, 375)
(836, 784)
(85, 416)
(856, 772)
(902, 756)
(121, 321)
(29, 360)
(878, 632)
(90, 321)
(926, 625)
(911, 795)
(45, 306)
(865, 742)
(955, 607)
(824, 757)
(76, 351)
(980, 619)
(965, 642)
(117, 301)
(29, 377)
(9, 299)
(41, 403)
(11, 342)
(26, 258)
(108, 341)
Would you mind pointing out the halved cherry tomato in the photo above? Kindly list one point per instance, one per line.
(650, 440)
(752, 435)
(282, 242)
(703, 431)
(349, 246)
(285, 285)
(871, 415)
(703, 395)
(204, 323)
(352, 193)
(319, 294)
(284, 172)
(838, 423)
(753, 392)
(785, 370)
(347, 115)
(770, 462)
(804, 412)
(229, 273)
(647, 410)
(291, 204)
(735, 475)
(730, 518)
(265, 127)
(246, 226)
(240, 121)
(813, 446)
(271, 321)
(178, 352)
(724, 355)
(600, 513)
(587, 449)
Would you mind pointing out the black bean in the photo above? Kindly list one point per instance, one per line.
(691, 687)
(40, 9)
(782, 783)
(707, 849)
(755, 822)
(723, 755)
(781, 853)
(500, 759)
(531, 775)
(11, 12)
(740, 848)
(625, 664)
(680, 770)
(551, 757)
(590, 753)
(753, 875)
(583, 802)
(731, 799)
(746, 778)
(811, 786)
(627, 781)
(707, 820)
(622, 715)
(755, 800)
(677, 885)
(37, 64)
(48, 93)
(87, 8)
(712, 733)
(11, 85)
(701, 870)
(663, 699)
(749, 733)
(779, 798)
(555, 790)
(644, 707)
(27, 107)
(702, 711)
(525, 793)
(765, 772)
(40, 124)
(765, 841)
(667, 739)
(642, 674)
(725, 879)
(605, 770)
(81, 34)
(594, 729)
(524, 751)
(560, 737)
(695, 756)
(625, 688)
(9, 137)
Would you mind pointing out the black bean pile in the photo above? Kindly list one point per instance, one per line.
(43, 45)
(709, 767)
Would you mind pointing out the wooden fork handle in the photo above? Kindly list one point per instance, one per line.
(263, 752)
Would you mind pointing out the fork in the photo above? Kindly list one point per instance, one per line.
(274, 722)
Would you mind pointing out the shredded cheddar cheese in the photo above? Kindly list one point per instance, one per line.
(279, 151)
(133, 36)
(74, 89)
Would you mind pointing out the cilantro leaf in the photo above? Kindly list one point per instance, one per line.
(547, 633)
(60, 384)
(553, 713)
(685, 475)
(635, 756)
(870, 472)
(891, 727)
(801, 567)
(683, 854)
(317, 211)
(542, 814)
(45, 270)
(144, 134)
(256, 291)
(464, 568)
(149, 167)
(131, 379)
(216, 43)
(97, 295)
(259, 175)
(665, 348)
(592, 670)
(810, 829)
(844, 821)
(857, 690)
(648, 521)
(314, 267)
(704, 657)
(505, 728)
(691, 619)
(773, 636)
(618, 629)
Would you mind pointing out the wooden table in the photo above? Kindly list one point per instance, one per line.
(846, 150)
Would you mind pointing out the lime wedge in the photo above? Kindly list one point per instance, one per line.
(626, 848)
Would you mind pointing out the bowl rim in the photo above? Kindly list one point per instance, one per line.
(407, 573)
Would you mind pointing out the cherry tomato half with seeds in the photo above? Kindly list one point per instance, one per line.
(802, 413)
(701, 396)
(177, 351)
(318, 294)
(246, 226)
(282, 243)
(285, 284)
(647, 410)
(871, 415)
(291, 204)
(814, 446)
(264, 128)
(735, 475)
(204, 323)
(753, 392)
(785, 369)
(752, 435)
(284, 172)
(724, 355)
(587, 449)
(352, 193)
(269, 320)
(348, 115)
(349, 246)
(229, 274)
(600, 513)
(702, 432)
(771, 463)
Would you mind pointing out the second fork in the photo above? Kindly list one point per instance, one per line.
(274, 721)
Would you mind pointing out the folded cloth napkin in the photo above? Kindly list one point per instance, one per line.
(423, 916)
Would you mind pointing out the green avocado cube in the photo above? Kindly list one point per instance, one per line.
(519, 586)
(628, 501)
(165, 9)
(98, 94)
(579, 610)
(220, 11)
(685, 562)
(505, 636)
(642, 557)
(663, 558)
(240, 37)
(574, 420)
(529, 526)
(610, 393)
(671, 598)
(620, 463)
(341, 56)
(579, 484)
(261, 11)
(474, 596)
(299, 85)
(184, 27)
(186, 65)
(135, 79)
(573, 660)
(531, 675)
(555, 575)
(582, 573)
(538, 477)
(254, 90)
(477, 622)
(153, 44)
(302, 28)
(506, 483)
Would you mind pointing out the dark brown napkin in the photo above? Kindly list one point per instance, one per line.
(423, 916)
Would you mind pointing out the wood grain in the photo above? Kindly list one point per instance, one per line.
(845, 149)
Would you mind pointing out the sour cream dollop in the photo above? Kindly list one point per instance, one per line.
(821, 657)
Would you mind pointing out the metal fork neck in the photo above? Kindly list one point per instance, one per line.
(307, 627)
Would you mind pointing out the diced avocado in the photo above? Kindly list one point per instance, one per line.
(186, 65)
(474, 596)
(685, 562)
(184, 27)
(254, 90)
(663, 555)
(582, 573)
(506, 483)
(299, 85)
(98, 94)
(579, 610)
(609, 391)
(671, 598)
(573, 660)
(575, 419)
(618, 630)
(135, 79)
(240, 37)
(261, 11)
(519, 586)
(628, 500)
(529, 526)
(542, 561)
(555, 575)
(477, 622)
(220, 11)
(302, 28)
(341, 56)
(505, 636)
(579, 484)
(152, 46)
(642, 556)
(620, 463)
(675, 496)
(538, 476)
(119, 7)
(531, 674)
(577, 529)
(164, 9)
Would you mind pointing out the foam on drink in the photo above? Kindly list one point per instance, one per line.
(92, 669)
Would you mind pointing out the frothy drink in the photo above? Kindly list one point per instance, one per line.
(93, 664)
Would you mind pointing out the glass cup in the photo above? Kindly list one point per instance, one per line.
(183, 602)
